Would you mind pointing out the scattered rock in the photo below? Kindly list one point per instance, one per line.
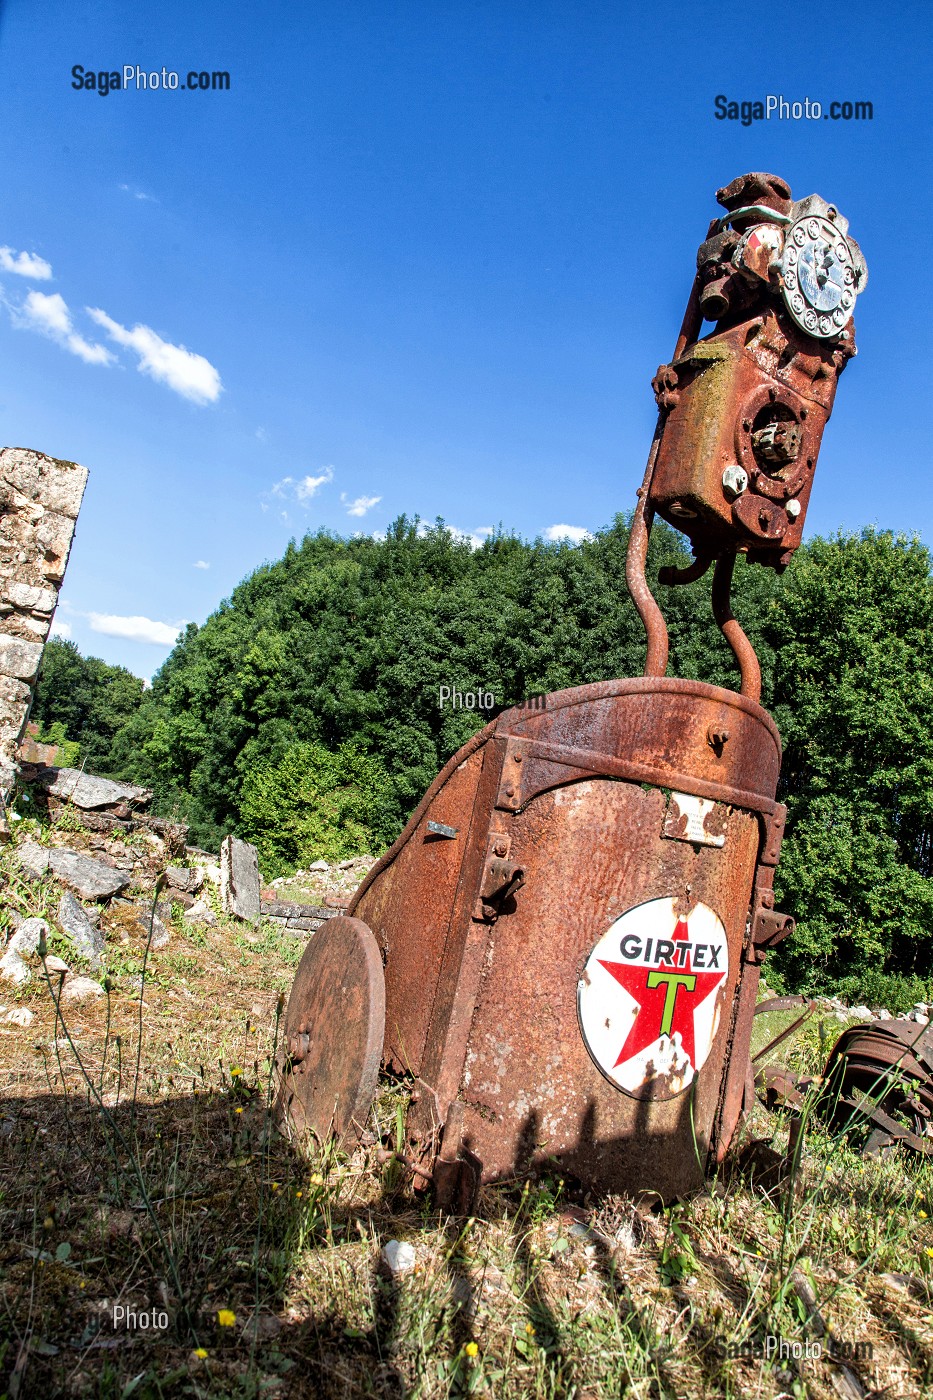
(160, 936)
(189, 881)
(89, 792)
(54, 964)
(318, 865)
(20, 1016)
(25, 940)
(862, 1012)
(89, 878)
(200, 913)
(346, 864)
(920, 1018)
(73, 920)
(239, 878)
(80, 988)
(398, 1258)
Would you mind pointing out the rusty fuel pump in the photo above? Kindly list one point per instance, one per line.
(562, 948)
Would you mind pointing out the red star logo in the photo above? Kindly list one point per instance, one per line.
(675, 995)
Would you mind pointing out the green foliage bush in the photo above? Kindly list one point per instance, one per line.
(312, 804)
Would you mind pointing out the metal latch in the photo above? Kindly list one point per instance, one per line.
(769, 927)
(501, 878)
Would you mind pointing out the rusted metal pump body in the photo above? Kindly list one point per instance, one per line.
(572, 923)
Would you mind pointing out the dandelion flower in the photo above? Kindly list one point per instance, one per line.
(299, 1193)
(471, 1349)
(226, 1318)
(922, 1214)
(238, 1110)
(317, 1179)
(235, 1072)
(200, 1353)
(529, 1329)
(275, 1186)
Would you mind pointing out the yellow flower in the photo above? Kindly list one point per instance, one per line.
(299, 1193)
(200, 1353)
(275, 1186)
(235, 1072)
(928, 1252)
(529, 1329)
(471, 1349)
(226, 1318)
(238, 1110)
(48, 1223)
(317, 1179)
(922, 1214)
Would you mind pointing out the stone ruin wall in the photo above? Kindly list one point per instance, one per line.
(40, 498)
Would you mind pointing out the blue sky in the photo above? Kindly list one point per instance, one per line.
(421, 257)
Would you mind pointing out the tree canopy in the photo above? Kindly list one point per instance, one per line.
(317, 684)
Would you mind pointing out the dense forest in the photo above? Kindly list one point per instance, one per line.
(305, 713)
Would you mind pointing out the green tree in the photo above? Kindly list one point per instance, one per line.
(853, 696)
(89, 699)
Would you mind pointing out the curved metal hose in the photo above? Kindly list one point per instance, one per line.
(732, 631)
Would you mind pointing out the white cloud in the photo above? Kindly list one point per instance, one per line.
(25, 265)
(135, 629)
(139, 194)
(308, 486)
(301, 490)
(60, 629)
(474, 538)
(361, 505)
(201, 564)
(49, 315)
(575, 533)
(190, 375)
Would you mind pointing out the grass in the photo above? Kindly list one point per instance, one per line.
(164, 1190)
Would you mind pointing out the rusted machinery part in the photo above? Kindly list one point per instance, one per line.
(635, 559)
(783, 1004)
(731, 629)
(877, 1071)
(690, 574)
(475, 742)
(333, 1033)
(692, 323)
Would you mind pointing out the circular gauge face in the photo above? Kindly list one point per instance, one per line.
(819, 277)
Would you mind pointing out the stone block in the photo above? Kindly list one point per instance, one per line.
(19, 659)
(56, 484)
(239, 878)
(89, 878)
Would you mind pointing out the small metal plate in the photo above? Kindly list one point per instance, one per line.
(333, 1032)
(694, 819)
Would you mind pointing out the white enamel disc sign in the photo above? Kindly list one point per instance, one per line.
(647, 1000)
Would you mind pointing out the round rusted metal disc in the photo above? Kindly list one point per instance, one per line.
(333, 1032)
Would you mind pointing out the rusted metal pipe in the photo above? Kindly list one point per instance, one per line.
(636, 556)
(670, 575)
(732, 631)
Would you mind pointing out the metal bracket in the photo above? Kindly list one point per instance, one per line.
(769, 927)
(500, 879)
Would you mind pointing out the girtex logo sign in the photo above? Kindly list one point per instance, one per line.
(133, 78)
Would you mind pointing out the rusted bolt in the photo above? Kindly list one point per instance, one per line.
(500, 848)
(746, 424)
(804, 412)
(510, 792)
(717, 737)
(793, 509)
(516, 758)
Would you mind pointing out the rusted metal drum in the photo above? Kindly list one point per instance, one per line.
(571, 925)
